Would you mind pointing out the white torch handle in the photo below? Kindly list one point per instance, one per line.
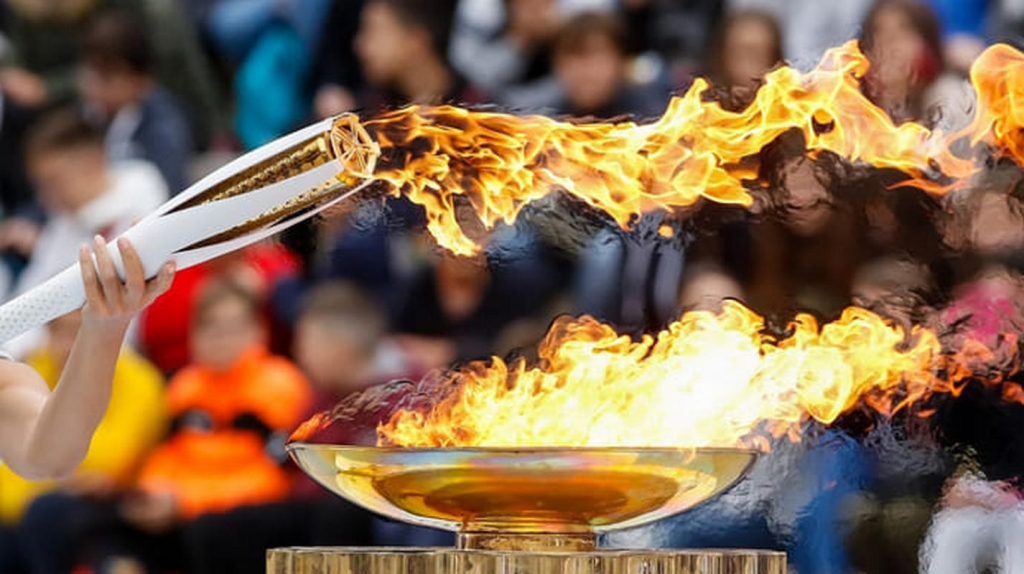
(59, 295)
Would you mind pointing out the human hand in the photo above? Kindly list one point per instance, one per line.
(109, 300)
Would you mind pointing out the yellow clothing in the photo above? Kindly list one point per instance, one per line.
(134, 422)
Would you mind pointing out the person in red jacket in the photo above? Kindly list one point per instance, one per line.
(164, 327)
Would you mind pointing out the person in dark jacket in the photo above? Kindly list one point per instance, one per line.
(142, 120)
(591, 66)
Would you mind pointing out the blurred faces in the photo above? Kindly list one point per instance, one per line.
(894, 288)
(109, 90)
(223, 332)
(533, 23)
(66, 180)
(897, 49)
(706, 289)
(997, 225)
(461, 284)
(901, 40)
(808, 206)
(332, 358)
(386, 46)
(591, 74)
(750, 49)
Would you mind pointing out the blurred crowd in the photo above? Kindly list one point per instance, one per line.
(110, 107)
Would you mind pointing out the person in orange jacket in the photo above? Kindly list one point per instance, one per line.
(230, 408)
(229, 404)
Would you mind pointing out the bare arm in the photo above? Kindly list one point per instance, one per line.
(44, 434)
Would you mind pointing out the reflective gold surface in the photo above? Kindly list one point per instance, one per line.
(448, 561)
(481, 491)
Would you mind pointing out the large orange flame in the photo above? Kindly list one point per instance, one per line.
(500, 162)
(708, 380)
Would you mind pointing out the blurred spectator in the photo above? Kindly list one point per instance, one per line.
(230, 406)
(795, 266)
(83, 194)
(337, 77)
(965, 26)
(631, 278)
(745, 48)
(590, 63)
(237, 25)
(228, 402)
(456, 307)
(141, 120)
(336, 344)
(902, 39)
(897, 288)
(46, 36)
(337, 339)
(504, 46)
(164, 326)
(978, 528)
(132, 425)
(811, 26)
(273, 43)
(988, 223)
(401, 46)
(705, 287)
(678, 31)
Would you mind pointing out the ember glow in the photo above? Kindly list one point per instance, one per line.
(697, 149)
(707, 380)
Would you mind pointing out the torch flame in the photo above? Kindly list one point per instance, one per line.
(707, 380)
(500, 162)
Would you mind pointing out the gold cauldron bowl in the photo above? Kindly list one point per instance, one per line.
(524, 499)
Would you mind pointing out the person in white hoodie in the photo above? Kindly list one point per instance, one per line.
(83, 195)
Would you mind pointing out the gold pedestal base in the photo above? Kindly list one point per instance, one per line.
(450, 561)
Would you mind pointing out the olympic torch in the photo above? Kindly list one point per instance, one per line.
(259, 194)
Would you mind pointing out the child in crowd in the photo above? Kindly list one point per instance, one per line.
(591, 65)
(747, 46)
(165, 325)
(82, 194)
(228, 403)
(402, 46)
(141, 119)
(230, 407)
(337, 344)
